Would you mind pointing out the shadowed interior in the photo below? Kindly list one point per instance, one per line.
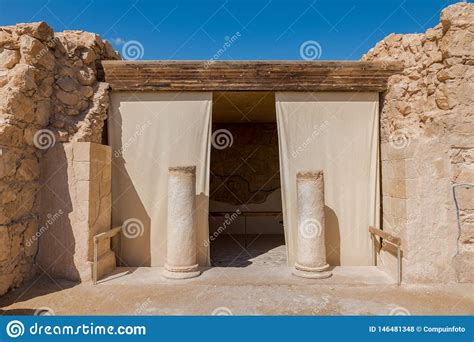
(245, 221)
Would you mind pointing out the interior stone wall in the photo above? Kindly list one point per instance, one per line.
(427, 146)
(247, 170)
(50, 93)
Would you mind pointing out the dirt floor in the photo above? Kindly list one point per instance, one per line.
(252, 290)
(245, 250)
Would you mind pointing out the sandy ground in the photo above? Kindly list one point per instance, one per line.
(252, 290)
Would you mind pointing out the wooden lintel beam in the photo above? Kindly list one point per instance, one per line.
(248, 75)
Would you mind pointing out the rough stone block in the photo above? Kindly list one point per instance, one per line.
(5, 244)
(88, 207)
(394, 187)
(392, 151)
(39, 30)
(463, 266)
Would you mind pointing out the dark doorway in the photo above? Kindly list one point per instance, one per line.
(245, 220)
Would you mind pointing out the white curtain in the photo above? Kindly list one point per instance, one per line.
(150, 132)
(336, 133)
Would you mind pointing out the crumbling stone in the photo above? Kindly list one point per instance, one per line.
(430, 106)
(47, 81)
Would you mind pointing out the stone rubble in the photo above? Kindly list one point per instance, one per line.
(427, 126)
(47, 81)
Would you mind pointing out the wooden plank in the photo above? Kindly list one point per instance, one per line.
(108, 234)
(248, 75)
(386, 236)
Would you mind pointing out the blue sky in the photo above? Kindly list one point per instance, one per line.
(266, 29)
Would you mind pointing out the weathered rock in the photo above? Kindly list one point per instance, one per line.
(86, 76)
(5, 244)
(28, 170)
(431, 103)
(7, 40)
(88, 56)
(19, 105)
(87, 91)
(45, 87)
(35, 53)
(68, 84)
(49, 82)
(39, 30)
(3, 77)
(71, 99)
(92, 126)
(22, 77)
(459, 16)
(10, 135)
(457, 43)
(8, 58)
(43, 112)
(8, 163)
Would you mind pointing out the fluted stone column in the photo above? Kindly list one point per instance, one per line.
(310, 247)
(181, 239)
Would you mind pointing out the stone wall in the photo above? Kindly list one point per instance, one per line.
(247, 171)
(75, 204)
(49, 93)
(427, 126)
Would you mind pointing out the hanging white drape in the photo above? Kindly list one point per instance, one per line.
(150, 132)
(336, 133)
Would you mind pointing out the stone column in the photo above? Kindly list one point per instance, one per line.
(310, 247)
(181, 239)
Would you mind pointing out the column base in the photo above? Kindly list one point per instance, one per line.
(180, 275)
(320, 272)
(171, 272)
(312, 275)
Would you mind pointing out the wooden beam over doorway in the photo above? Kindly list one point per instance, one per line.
(248, 75)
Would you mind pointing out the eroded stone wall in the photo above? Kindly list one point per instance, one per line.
(49, 93)
(427, 126)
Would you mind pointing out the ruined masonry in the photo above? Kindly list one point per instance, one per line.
(53, 103)
(48, 80)
(427, 145)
